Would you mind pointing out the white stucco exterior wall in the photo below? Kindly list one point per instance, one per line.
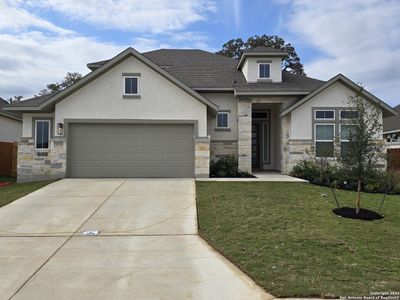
(10, 130)
(226, 102)
(159, 99)
(250, 68)
(301, 118)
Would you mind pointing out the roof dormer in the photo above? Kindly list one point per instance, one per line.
(262, 64)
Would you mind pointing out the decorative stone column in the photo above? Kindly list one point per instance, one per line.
(35, 165)
(285, 133)
(202, 157)
(244, 135)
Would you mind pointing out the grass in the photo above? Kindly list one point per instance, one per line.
(286, 238)
(15, 191)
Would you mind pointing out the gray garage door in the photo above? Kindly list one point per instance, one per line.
(127, 150)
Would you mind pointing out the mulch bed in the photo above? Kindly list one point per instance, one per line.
(5, 183)
(364, 214)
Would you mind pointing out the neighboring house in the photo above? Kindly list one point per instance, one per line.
(10, 124)
(391, 130)
(166, 113)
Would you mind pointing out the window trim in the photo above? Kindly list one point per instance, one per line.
(264, 63)
(138, 85)
(327, 119)
(227, 120)
(340, 114)
(48, 146)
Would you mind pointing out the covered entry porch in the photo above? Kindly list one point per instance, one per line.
(265, 137)
(260, 134)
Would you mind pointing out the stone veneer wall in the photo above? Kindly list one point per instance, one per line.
(202, 157)
(219, 149)
(244, 135)
(298, 151)
(293, 151)
(35, 165)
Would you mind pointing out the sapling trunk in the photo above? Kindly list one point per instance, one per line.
(358, 197)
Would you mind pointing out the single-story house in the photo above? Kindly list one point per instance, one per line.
(10, 124)
(168, 112)
(391, 130)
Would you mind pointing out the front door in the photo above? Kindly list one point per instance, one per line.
(255, 145)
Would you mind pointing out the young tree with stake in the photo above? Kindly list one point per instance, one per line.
(363, 149)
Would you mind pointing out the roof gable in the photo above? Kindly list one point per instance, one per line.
(49, 102)
(387, 110)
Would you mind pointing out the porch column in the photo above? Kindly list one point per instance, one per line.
(244, 135)
(285, 132)
(202, 157)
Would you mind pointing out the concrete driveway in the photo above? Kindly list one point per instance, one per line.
(148, 247)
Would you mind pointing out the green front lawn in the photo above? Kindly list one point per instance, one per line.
(13, 192)
(286, 238)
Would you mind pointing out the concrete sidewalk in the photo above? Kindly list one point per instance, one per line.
(148, 247)
(263, 176)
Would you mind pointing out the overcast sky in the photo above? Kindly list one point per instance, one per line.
(41, 40)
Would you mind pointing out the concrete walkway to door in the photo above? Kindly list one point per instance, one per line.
(148, 247)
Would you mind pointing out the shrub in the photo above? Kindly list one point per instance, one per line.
(378, 181)
(226, 166)
(307, 170)
(396, 189)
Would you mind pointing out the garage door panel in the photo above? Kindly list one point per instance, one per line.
(117, 161)
(176, 157)
(90, 141)
(128, 150)
(115, 144)
(179, 172)
(146, 144)
(115, 172)
(176, 145)
(147, 156)
(88, 156)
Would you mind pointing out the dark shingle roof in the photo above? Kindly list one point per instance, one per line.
(197, 68)
(201, 69)
(263, 49)
(290, 83)
(392, 123)
(14, 115)
(35, 101)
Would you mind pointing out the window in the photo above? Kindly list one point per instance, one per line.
(392, 138)
(348, 114)
(324, 140)
(42, 134)
(223, 120)
(345, 131)
(131, 86)
(264, 71)
(324, 115)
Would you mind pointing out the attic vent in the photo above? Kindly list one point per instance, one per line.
(166, 66)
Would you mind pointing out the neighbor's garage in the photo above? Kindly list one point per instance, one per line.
(130, 150)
